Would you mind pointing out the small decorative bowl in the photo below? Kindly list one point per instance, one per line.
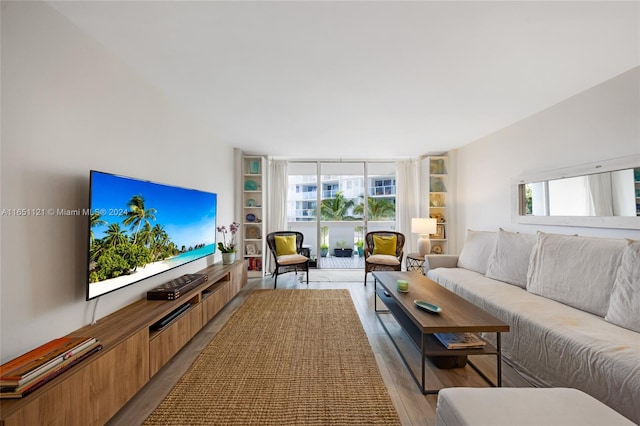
(250, 185)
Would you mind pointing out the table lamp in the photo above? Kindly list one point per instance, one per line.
(424, 227)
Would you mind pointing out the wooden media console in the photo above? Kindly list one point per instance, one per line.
(93, 391)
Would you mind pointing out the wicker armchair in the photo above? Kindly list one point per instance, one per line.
(382, 262)
(288, 262)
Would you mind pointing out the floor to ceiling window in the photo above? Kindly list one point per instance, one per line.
(335, 203)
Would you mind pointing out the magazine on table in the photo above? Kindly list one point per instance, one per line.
(460, 340)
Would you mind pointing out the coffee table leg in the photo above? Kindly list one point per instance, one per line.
(499, 357)
(423, 361)
(375, 298)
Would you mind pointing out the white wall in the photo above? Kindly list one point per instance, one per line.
(69, 106)
(595, 125)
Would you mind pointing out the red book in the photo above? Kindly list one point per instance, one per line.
(33, 362)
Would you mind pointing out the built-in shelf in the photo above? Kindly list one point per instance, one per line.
(438, 200)
(253, 214)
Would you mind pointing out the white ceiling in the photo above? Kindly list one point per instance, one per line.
(382, 79)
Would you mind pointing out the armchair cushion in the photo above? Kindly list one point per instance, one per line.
(383, 259)
(384, 245)
(292, 259)
(285, 245)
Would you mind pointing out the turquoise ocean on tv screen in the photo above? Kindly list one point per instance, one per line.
(192, 255)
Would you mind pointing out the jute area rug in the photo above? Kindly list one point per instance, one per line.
(286, 357)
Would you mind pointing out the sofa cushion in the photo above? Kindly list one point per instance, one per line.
(624, 306)
(577, 271)
(510, 259)
(478, 248)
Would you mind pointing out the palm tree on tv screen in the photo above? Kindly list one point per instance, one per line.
(95, 220)
(138, 214)
(161, 245)
(145, 236)
(121, 252)
(114, 235)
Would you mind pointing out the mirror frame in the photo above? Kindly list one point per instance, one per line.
(619, 222)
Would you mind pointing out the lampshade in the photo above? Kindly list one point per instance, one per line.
(424, 227)
(420, 225)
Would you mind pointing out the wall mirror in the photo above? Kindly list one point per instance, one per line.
(604, 194)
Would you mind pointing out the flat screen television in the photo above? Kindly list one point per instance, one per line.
(138, 229)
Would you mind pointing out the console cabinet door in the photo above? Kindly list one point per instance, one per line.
(169, 341)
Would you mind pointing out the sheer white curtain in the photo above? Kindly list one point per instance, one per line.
(407, 200)
(277, 206)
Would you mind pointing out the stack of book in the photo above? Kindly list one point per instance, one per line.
(460, 340)
(254, 264)
(26, 373)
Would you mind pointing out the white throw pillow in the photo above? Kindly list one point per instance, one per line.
(624, 307)
(478, 247)
(576, 271)
(510, 259)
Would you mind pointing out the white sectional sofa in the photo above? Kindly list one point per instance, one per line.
(572, 302)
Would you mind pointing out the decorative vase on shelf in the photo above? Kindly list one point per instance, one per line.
(228, 258)
(254, 167)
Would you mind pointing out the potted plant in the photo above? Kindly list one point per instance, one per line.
(341, 250)
(228, 249)
(359, 231)
(324, 238)
(360, 246)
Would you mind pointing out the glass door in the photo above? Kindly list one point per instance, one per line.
(334, 204)
(302, 205)
(381, 196)
(341, 213)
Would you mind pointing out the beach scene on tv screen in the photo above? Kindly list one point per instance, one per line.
(139, 229)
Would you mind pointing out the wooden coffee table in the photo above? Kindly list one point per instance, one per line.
(457, 316)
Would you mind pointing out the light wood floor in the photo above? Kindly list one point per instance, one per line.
(413, 407)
